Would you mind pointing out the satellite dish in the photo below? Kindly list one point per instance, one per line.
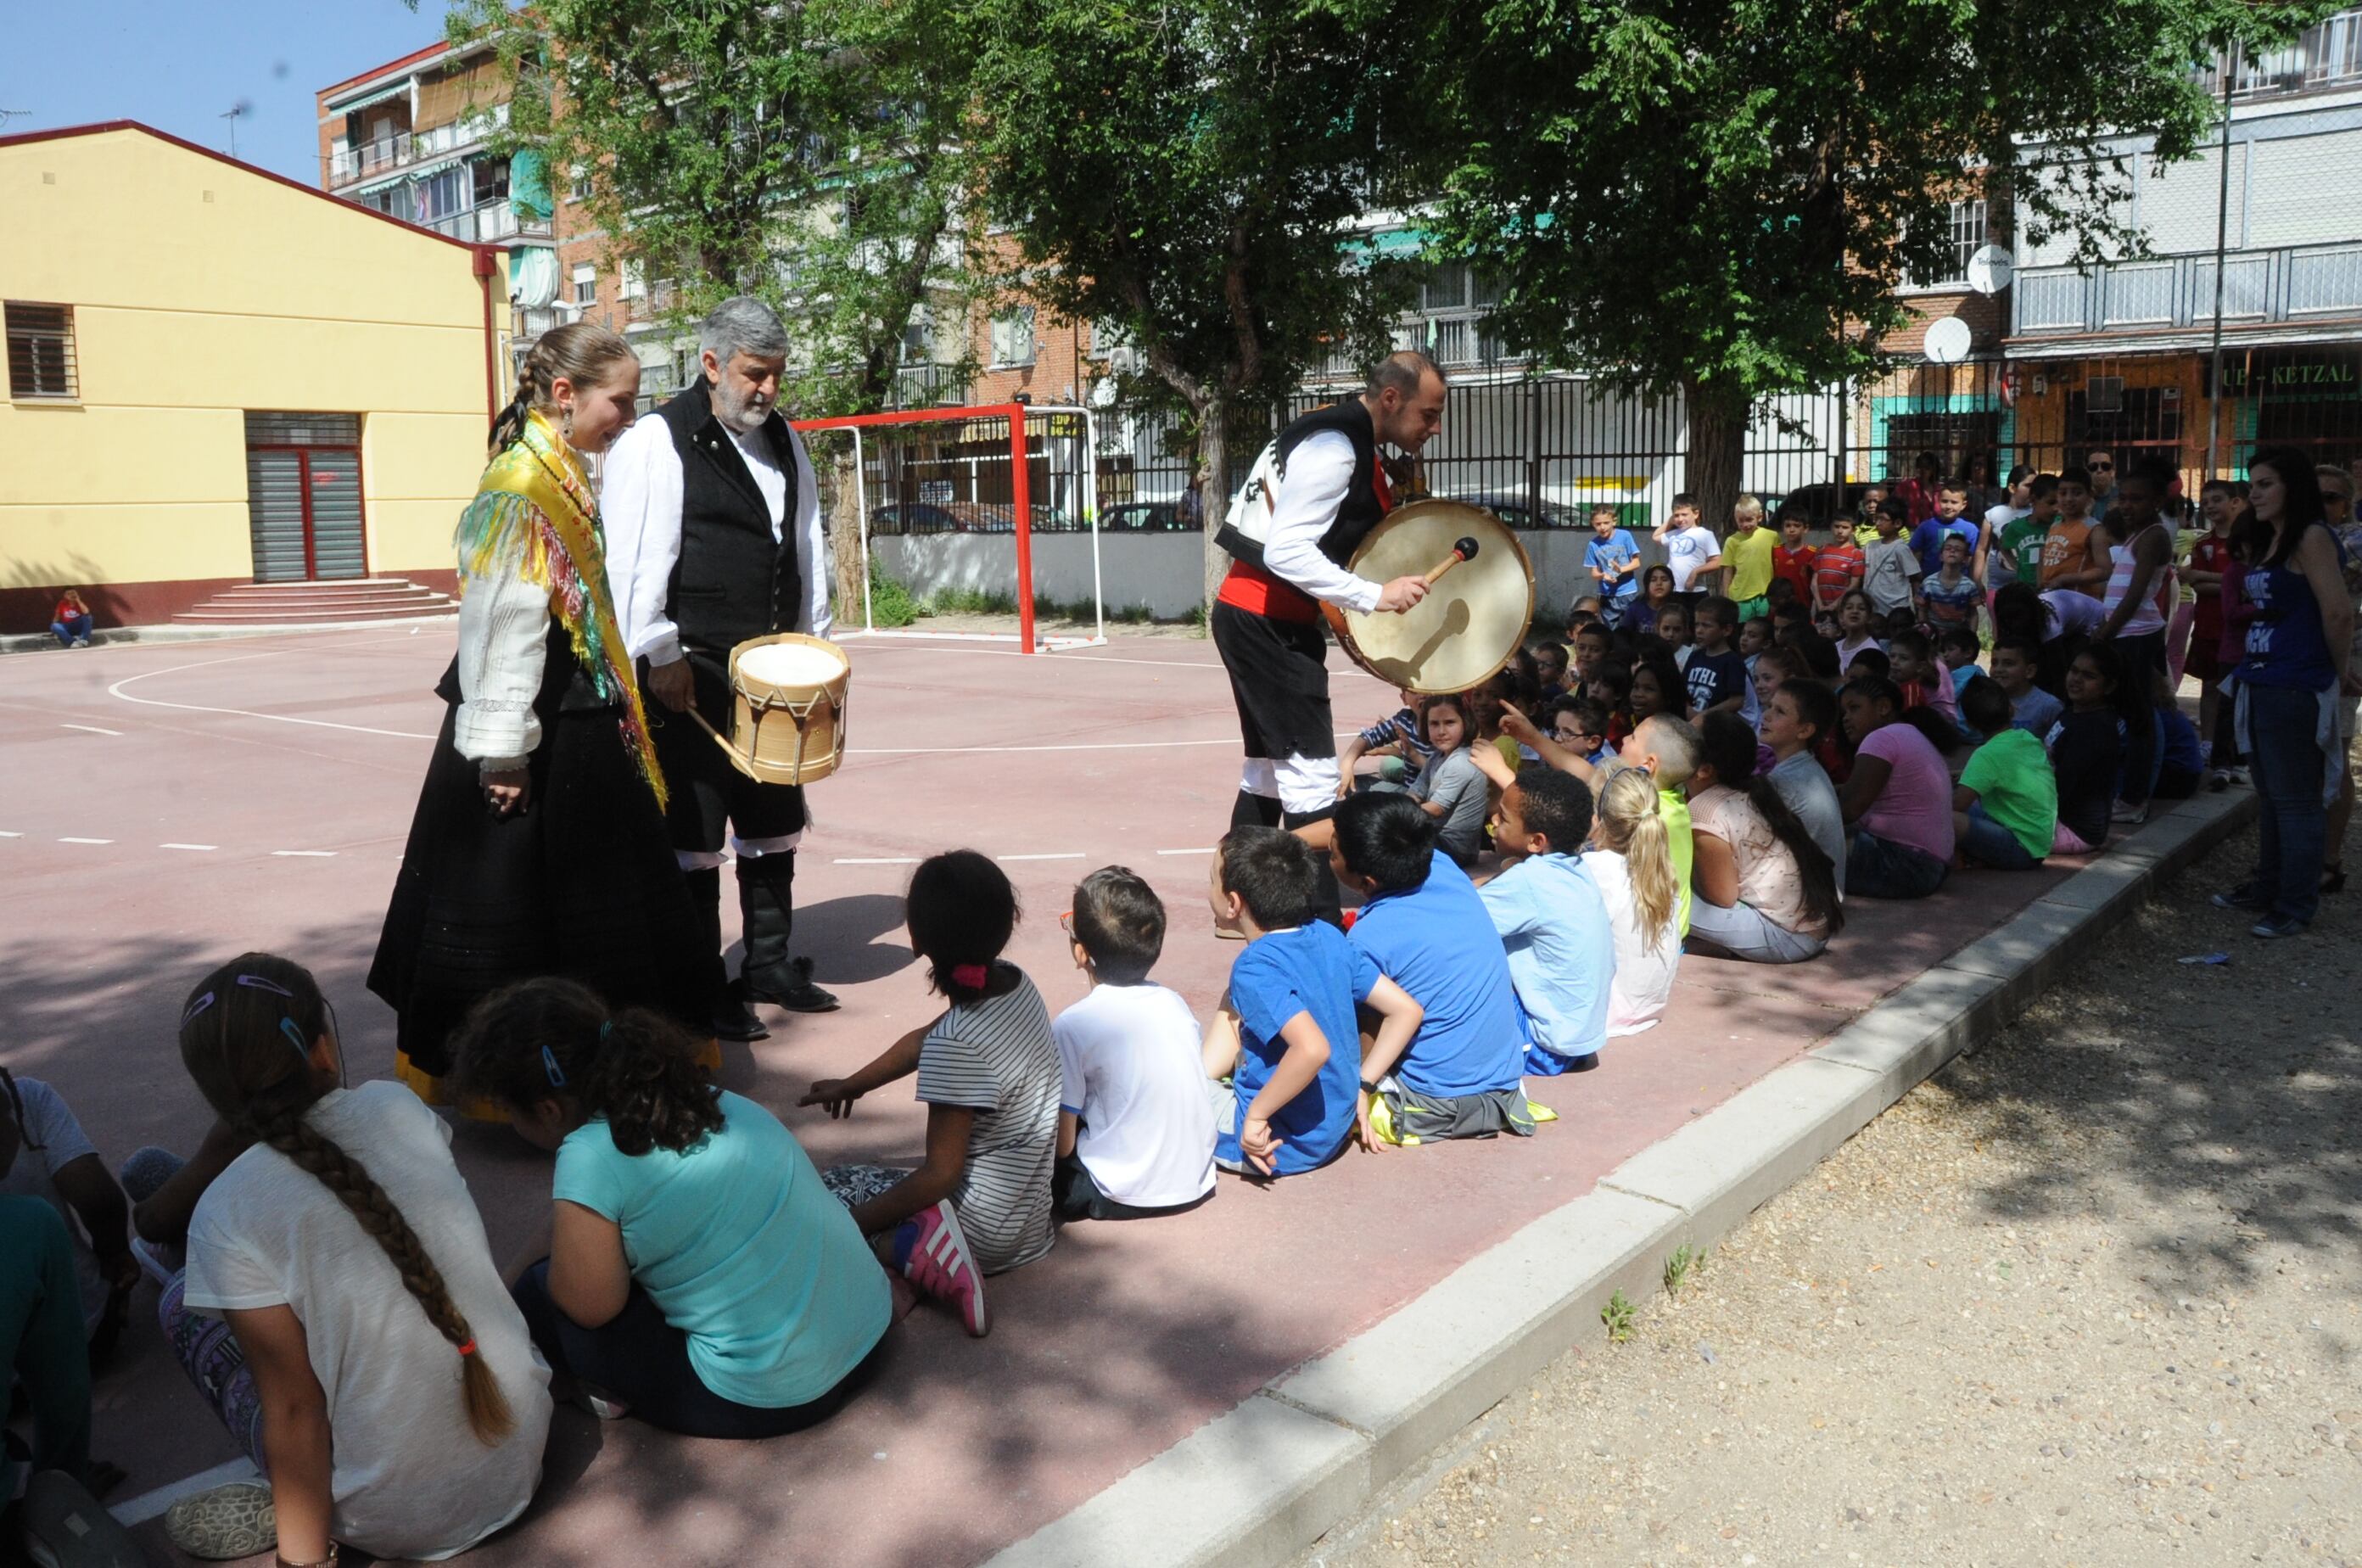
(1948, 342)
(1990, 268)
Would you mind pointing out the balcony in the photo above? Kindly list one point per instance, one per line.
(927, 386)
(364, 160)
(494, 223)
(2163, 296)
(2324, 56)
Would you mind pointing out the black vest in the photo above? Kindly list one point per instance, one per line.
(732, 581)
(1361, 509)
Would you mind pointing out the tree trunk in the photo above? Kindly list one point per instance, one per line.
(844, 537)
(1718, 445)
(1213, 456)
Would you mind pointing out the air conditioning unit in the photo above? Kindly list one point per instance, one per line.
(2104, 394)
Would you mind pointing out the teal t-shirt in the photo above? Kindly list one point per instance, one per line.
(2012, 777)
(743, 1250)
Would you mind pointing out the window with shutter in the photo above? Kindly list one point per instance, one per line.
(40, 350)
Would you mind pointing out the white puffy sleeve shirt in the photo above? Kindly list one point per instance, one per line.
(1320, 472)
(503, 643)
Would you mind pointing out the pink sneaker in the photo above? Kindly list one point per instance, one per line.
(932, 1254)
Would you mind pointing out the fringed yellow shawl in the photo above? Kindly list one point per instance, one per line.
(535, 514)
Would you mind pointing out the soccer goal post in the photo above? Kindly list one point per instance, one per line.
(962, 505)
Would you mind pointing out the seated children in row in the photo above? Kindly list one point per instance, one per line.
(1857, 625)
(1765, 892)
(1400, 739)
(989, 1075)
(1898, 800)
(1799, 720)
(1911, 665)
(700, 1276)
(1582, 725)
(1460, 1074)
(1286, 1034)
(1662, 746)
(1553, 921)
(1956, 655)
(1631, 863)
(1135, 1133)
(2005, 807)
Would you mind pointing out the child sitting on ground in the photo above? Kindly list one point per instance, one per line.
(1582, 725)
(1552, 919)
(1286, 1035)
(1549, 669)
(2015, 660)
(1671, 631)
(1135, 1135)
(1630, 864)
(2086, 746)
(1956, 651)
(1422, 924)
(428, 1435)
(700, 1276)
(1397, 739)
(44, 1156)
(1451, 788)
(1911, 664)
(989, 1076)
(1857, 627)
(1592, 643)
(2005, 807)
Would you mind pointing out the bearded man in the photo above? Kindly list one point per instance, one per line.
(714, 537)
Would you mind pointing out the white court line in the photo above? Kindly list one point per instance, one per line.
(881, 860)
(188, 847)
(1185, 852)
(11, 835)
(305, 854)
(93, 729)
(117, 692)
(851, 752)
(1063, 854)
(148, 1504)
(1051, 659)
(86, 841)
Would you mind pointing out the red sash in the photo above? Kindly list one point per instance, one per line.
(1260, 592)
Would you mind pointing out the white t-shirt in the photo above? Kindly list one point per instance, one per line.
(411, 1480)
(49, 1124)
(1644, 970)
(1686, 549)
(1135, 1073)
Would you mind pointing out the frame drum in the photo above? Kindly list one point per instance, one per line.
(1470, 623)
(787, 708)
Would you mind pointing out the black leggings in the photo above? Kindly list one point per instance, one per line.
(644, 1361)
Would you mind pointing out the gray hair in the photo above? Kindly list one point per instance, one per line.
(743, 325)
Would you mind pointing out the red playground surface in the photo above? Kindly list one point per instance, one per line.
(167, 807)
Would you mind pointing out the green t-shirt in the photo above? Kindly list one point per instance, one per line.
(743, 1249)
(2012, 777)
(2020, 538)
(1680, 841)
(1749, 557)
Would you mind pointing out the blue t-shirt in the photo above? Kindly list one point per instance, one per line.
(1618, 550)
(1714, 678)
(1928, 543)
(2036, 711)
(1561, 950)
(743, 1249)
(1436, 942)
(2181, 749)
(1313, 969)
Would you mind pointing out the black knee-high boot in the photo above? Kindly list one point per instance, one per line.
(733, 1018)
(766, 905)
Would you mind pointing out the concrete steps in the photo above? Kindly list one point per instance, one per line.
(297, 603)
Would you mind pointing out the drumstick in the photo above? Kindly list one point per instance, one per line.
(1462, 549)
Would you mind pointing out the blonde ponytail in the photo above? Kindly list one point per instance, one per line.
(1629, 824)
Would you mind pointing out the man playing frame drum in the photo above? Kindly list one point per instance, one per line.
(1315, 494)
(713, 538)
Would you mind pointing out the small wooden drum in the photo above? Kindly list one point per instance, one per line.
(1472, 621)
(787, 709)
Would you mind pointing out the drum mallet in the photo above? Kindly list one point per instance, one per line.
(1465, 548)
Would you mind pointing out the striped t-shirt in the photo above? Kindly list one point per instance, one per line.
(996, 1058)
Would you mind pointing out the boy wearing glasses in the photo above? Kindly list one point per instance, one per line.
(1580, 724)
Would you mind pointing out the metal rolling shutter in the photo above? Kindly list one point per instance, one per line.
(303, 496)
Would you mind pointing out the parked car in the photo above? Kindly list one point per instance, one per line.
(942, 518)
(1143, 517)
(1518, 510)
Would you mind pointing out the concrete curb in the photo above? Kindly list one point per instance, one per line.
(1313, 1447)
(119, 636)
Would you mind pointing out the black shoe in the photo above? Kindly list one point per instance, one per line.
(790, 986)
(2332, 880)
(735, 1018)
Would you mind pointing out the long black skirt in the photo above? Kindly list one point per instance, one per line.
(583, 884)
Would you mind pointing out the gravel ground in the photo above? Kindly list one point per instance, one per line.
(2090, 1296)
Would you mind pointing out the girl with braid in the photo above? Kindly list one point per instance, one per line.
(340, 1309)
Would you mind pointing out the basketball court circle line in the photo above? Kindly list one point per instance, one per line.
(117, 692)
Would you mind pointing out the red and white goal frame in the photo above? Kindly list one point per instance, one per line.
(1017, 415)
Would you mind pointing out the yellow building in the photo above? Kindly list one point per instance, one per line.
(218, 377)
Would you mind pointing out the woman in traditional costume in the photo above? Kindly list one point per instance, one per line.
(539, 845)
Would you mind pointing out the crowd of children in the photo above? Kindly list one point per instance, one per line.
(1713, 763)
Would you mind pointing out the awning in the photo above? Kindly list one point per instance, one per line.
(529, 184)
(371, 100)
(401, 176)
